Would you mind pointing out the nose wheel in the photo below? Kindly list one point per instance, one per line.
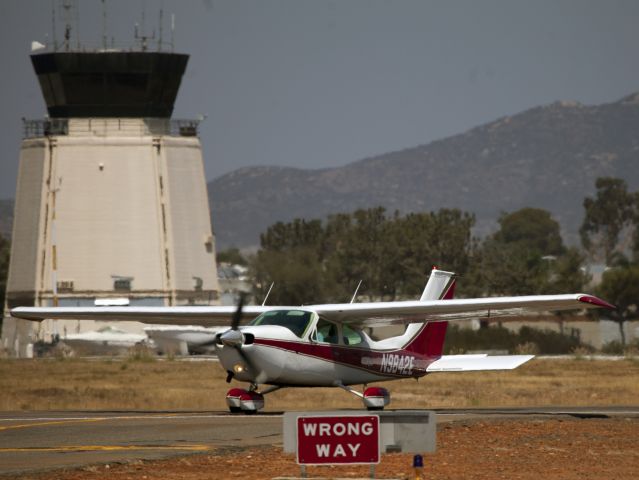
(240, 400)
(248, 401)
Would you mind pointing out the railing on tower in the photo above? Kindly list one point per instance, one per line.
(109, 126)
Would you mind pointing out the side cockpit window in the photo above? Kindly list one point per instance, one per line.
(326, 332)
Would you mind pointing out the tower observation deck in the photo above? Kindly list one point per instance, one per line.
(111, 199)
(119, 84)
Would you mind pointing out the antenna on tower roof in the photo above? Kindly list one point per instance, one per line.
(53, 35)
(104, 25)
(172, 30)
(77, 23)
(143, 37)
(161, 29)
(67, 7)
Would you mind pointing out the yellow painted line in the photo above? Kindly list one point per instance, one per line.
(88, 420)
(58, 422)
(107, 448)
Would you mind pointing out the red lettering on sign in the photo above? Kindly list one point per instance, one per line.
(338, 440)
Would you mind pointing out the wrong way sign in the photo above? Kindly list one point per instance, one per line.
(348, 439)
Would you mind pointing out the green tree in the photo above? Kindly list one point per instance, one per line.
(606, 216)
(507, 269)
(519, 258)
(297, 275)
(635, 226)
(366, 253)
(566, 273)
(293, 257)
(231, 255)
(324, 261)
(423, 240)
(620, 286)
(282, 236)
(532, 229)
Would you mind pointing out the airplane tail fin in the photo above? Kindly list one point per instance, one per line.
(440, 285)
(429, 339)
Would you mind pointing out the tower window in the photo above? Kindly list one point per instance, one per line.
(122, 284)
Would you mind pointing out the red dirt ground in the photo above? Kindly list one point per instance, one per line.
(556, 448)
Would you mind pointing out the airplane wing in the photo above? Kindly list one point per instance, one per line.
(389, 313)
(471, 363)
(359, 314)
(207, 316)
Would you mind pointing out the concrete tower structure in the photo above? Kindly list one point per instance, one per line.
(111, 202)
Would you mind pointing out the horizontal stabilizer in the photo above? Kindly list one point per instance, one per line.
(470, 363)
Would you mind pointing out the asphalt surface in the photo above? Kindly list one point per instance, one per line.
(32, 441)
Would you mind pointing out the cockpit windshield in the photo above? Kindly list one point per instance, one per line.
(297, 321)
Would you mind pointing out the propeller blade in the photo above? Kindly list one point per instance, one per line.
(235, 321)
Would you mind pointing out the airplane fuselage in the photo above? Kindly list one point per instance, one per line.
(275, 358)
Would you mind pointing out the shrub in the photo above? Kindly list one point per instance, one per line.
(613, 347)
(527, 340)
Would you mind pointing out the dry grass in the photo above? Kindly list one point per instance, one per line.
(172, 385)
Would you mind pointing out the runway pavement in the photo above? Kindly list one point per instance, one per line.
(31, 441)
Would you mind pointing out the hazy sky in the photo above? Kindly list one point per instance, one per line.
(322, 83)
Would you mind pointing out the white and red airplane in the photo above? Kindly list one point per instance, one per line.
(327, 345)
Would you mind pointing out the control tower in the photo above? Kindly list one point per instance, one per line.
(111, 202)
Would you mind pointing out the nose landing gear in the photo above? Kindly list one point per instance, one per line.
(248, 401)
(240, 400)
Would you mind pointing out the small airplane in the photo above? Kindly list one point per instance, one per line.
(327, 345)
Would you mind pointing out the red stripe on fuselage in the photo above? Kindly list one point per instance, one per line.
(392, 363)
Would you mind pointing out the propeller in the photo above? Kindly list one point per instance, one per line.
(234, 338)
(237, 316)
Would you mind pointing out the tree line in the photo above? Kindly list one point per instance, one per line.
(312, 261)
(392, 254)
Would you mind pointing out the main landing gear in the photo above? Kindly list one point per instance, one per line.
(251, 401)
(374, 398)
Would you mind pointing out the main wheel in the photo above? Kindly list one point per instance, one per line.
(376, 398)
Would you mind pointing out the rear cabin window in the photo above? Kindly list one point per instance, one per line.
(351, 336)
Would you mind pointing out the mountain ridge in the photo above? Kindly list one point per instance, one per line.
(546, 157)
